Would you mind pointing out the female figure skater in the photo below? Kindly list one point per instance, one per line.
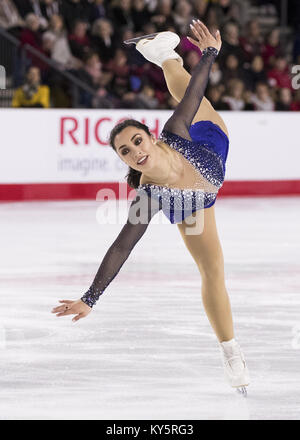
(186, 163)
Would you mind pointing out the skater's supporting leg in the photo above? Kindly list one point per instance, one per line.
(206, 250)
(177, 79)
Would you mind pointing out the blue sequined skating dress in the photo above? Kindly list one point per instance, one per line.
(207, 153)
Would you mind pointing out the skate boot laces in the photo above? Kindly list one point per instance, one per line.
(233, 357)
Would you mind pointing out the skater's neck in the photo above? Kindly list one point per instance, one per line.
(168, 168)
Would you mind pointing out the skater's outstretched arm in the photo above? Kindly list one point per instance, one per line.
(180, 122)
(141, 211)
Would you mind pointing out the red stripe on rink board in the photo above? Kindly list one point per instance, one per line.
(73, 191)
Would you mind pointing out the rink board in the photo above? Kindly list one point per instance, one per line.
(64, 153)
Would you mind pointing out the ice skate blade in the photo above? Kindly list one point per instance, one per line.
(242, 391)
(137, 39)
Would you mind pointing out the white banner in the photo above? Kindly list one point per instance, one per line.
(70, 145)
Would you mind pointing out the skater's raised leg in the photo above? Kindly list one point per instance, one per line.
(177, 79)
(160, 49)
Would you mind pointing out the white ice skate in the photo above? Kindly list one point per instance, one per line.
(158, 47)
(235, 368)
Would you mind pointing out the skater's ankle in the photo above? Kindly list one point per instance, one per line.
(228, 342)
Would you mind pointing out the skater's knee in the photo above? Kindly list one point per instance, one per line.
(212, 272)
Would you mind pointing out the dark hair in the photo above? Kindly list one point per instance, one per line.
(32, 66)
(89, 54)
(133, 176)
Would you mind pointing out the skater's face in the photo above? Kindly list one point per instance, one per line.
(132, 144)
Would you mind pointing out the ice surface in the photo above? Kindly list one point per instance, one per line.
(147, 350)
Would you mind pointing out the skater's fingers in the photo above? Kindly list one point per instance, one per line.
(58, 309)
(193, 41)
(218, 37)
(62, 308)
(66, 303)
(79, 316)
(214, 32)
(197, 35)
(66, 312)
(204, 28)
(197, 32)
(199, 28)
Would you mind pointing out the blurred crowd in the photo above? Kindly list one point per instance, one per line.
(85, 38)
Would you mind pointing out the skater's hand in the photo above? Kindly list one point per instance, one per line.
(78, 308)
(203, 37)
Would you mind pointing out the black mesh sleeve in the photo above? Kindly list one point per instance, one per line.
(141, 211)
(180, 122)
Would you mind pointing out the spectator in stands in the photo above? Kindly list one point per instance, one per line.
(272, 48)
(261, 99)
(214, 95)
(279, 76)
(252, 42)
(213, 18)
(9, 15)
(247, 96)
(216, 74)
(284, 100)
(31, 34)
(61, 52)
(123, 85)
(232, 69)
(200, 8)
(122, 16)
(91, 74)
(49, 8)
(255, 73)
(191, 60)
(183, 16)
(155, 76)
(146, 97)
(78, 40)
(73, 10)
(48, 43)
(140, 14)
(98, 10)
(48, 40)
(231, 43)
(236, 10)
(118, 66)
(295, 106)
(234, 95)
(26, 7)
(163, 15)
(149, 28)
(32, 93)
(34, 6)
(103, 40)
(102, 25)
(121, 90)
